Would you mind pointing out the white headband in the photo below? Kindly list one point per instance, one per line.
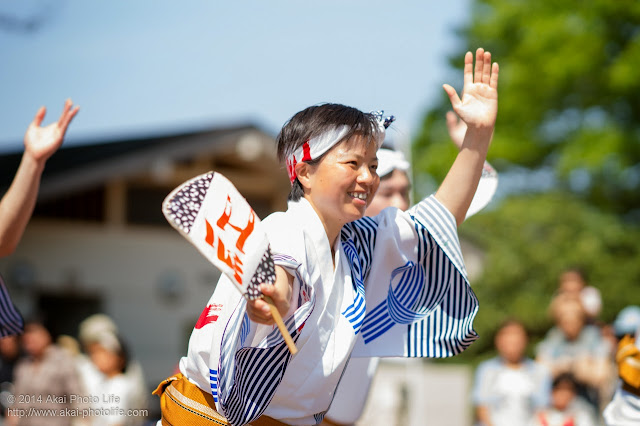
(315, 147)
(389, 161)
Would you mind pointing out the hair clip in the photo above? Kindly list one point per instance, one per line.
(383, 121)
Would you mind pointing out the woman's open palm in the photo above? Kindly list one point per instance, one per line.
(42, 142)
(478, 106)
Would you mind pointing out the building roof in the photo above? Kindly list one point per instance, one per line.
(80, 166)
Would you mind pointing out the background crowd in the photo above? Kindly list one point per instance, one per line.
(573, 375)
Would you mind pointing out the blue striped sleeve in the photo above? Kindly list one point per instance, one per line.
(448, 329)
(419, 302)
(11, 322)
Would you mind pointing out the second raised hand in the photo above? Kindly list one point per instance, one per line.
(41, 142)
(479, 104)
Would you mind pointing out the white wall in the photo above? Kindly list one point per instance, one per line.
(124, 267)
(415, 392)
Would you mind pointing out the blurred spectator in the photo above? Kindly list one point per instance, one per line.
(627, 321)
(109, 355)
(572, 346)
(395, 186)
(99, 338)
(9, 355)
(69, 344)
(624, 408)
(573, 281)
(566, 408)
(46, 378)
(510, 388)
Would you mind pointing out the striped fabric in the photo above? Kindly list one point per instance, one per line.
(448, 330)
(401, 289)
(11, 322)
(214, 384)
(406, 303)
(431, 299)
(243, 397)
(356, 311)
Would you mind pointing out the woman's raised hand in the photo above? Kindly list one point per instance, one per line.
(41, 142)
(478, 106)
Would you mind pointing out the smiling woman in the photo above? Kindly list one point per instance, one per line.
(346, 285)
(330, 151)
(342, 184)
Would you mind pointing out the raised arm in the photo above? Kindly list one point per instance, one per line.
(18, 202)
(457, 128)
(478, 108)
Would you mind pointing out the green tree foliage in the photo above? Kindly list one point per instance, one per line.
(529, 241)
(569, 95)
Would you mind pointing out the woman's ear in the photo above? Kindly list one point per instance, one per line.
(303, 172)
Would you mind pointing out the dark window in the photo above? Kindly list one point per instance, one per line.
(87, 205)
(144, 205)
(64, 312)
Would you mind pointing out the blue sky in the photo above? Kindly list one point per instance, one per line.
(155, 66)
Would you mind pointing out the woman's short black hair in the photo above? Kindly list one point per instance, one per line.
(316, 120)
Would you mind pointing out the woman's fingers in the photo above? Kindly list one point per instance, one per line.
(39, 116)
(477, 78)
(67, 115)
(468, 69)
(495, 69)
(259, 311)
(486, 70)
(453, 95)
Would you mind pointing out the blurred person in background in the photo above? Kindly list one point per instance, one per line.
(573, 346)
(573, 282)
(511, 387)
(99, 339)
(9, 356)
(109, 355)
(18, 202)
(566, 408)
(624, 408)
(46, 378)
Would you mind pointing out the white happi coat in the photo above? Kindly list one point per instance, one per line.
(399, 288)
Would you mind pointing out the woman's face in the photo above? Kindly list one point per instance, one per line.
(343, 183)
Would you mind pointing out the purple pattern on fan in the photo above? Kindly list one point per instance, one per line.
(185, 204)
(265, 273)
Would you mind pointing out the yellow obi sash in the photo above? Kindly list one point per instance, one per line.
(183, 403)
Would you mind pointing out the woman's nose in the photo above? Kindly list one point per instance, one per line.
(366, 175)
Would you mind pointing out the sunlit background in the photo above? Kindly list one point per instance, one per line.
(169, 90)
